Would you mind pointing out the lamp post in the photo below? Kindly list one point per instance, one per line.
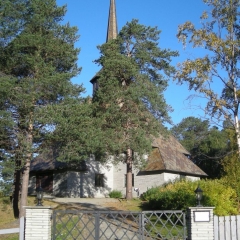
(199, 194)
(39, 191)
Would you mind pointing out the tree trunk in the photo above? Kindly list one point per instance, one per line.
(129, 175)
(24, 192)
(16, 192)
(25, 172)
(237, 133)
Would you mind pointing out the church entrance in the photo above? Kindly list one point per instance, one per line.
(45, 181)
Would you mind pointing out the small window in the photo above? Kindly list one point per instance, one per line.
(125, 180)
(99, 180)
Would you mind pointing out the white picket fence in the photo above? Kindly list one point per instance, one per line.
(227, 228)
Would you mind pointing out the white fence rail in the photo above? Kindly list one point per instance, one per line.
(19, 230)
(227, 228)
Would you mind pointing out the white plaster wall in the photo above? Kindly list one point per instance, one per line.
(95, 167)
(60, 184)
(73, 184)
(192, 178)
(119, 172)
(168, 177)
(142, 182)
(32, 185)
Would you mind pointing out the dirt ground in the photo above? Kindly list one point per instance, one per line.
(97, 204)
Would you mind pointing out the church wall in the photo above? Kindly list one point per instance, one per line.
(32, 185)
(89, 188)
(192, 178)
(119, 172)
(141, 182)
(60, 184)
(73, 184)
(145, 182)
(168, 177)
(172, 176)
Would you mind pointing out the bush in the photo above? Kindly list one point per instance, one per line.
(180, 195)
(115, 194)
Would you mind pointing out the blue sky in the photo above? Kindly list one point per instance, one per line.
(91, 16)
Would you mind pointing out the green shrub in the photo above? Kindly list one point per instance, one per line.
(180, 195)
(150, 193)
(115, 194)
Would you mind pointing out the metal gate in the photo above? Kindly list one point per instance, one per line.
(116, 225)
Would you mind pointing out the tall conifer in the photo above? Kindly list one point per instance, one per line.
(38, 61)
(129, 100)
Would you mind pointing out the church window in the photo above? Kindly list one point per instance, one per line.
(99, 180)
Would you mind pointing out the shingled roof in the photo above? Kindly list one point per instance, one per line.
(47, 162)
(169, 155)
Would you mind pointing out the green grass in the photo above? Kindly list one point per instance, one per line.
(163, 228)
(13, 236)
(67, 225)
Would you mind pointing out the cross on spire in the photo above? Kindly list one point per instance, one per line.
(112, 30)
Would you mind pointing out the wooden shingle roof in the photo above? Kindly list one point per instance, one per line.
(169, 155)
(47, 162)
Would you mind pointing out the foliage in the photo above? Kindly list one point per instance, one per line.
(215, 76)
(37, 59)
(180, 195)
(130, 102)
(133, 76)
(231, 165)
(207, 145)
(115, 194)
(7, 167)
(75, 134)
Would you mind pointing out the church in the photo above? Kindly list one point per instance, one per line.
(168, 161)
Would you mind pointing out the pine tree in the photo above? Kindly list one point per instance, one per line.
(129, 101)
(38, 61)
(206, 144)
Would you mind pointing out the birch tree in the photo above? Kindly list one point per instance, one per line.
(218, 37)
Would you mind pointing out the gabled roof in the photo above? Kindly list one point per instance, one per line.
(47, 162)
(169, 155)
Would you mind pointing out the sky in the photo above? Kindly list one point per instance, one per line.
(91, 18)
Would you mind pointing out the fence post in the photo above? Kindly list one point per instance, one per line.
(97, 223)
(200, 223)
(38, 223)
(22, 228)
(141, 225)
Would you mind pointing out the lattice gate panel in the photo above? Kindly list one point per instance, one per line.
(116, 225)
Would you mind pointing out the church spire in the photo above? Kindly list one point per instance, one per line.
(112, 22)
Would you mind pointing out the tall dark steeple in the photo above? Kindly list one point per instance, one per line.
(112, 30)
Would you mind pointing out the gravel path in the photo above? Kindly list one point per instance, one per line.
(89, 203)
